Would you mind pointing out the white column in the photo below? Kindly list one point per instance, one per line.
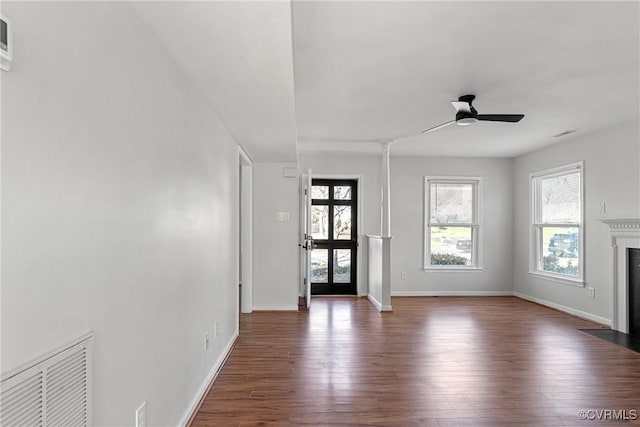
(386, 191)
(386, 229)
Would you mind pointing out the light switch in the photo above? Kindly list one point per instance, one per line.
(282, 216)
(603, 208)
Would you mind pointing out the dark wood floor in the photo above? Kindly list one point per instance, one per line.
(434, 361)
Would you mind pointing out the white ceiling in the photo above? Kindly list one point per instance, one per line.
(369, 70)
(239, 55)
(374, 70)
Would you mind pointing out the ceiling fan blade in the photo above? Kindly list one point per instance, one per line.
(438, 127)
(461, 106)
(511, 118)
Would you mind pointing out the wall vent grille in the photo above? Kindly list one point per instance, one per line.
(53, 390)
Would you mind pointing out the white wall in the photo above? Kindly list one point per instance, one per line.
(119, 208)
(275, 243)
(611, 175)
(407, 224)
(368, 167)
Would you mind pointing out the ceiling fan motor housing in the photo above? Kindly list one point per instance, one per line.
(466, 118)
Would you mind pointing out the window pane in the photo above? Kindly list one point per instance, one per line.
(320, 192)
(342, 222)
(320, 222)
(342, 266)
(319, 266)
(342, 192)
(560, 198)
(561, 250)
(451, 245)
(451, 203)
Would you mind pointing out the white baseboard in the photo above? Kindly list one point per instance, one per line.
(377, 304)
(565, 309)
(450, 293)
(275, 308)
(194, 405)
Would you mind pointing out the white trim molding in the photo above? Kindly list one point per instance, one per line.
(377, 304)
(631, 224)
(284, 307)
(565, 309)
(197, 399)
(451, 293)
(625, 234)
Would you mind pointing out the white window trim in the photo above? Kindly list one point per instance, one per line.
(535, 228)
(477, 227)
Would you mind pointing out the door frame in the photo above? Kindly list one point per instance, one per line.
(360, 285)
(245, 231)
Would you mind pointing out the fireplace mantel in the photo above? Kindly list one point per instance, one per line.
(625, 234)
(623, 223)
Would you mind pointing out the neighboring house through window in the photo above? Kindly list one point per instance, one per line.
(452, 219)
(557, 234)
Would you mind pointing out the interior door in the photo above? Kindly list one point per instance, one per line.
(309, 245)
(306, 242)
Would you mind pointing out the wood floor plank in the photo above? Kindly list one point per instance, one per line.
(434, 361)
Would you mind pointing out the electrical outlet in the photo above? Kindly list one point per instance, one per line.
(603, 207)
(141, 415)
(206, 341)
(216, 330)
(403, 275)
(592, 292)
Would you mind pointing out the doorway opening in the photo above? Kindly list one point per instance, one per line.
(334, 229)
(245, 254)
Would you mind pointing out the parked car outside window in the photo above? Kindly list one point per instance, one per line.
(564, 245)
(464, 245)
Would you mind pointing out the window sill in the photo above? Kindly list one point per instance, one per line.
(573, 282)
(452, 269)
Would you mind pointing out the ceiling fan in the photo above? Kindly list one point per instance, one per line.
(466, 114)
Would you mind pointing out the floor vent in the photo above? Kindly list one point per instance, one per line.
(53, 390)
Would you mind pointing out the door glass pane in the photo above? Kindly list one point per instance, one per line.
(560, 198)
(342, 192)
(320, 222)
(320, 192)
(561, 250)
(342, 266)
(451, 203)
(319, 266)
(451, 245)
(342, 222)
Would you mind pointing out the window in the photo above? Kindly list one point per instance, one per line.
(557, 224)
(452, 231)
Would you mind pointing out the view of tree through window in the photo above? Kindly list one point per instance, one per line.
(341, 215)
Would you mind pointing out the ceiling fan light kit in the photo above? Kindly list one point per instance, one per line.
(464, 119)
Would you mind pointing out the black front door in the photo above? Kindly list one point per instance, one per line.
(335, 236)
(634, 291)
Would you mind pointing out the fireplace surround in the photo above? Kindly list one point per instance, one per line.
(625, 235)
